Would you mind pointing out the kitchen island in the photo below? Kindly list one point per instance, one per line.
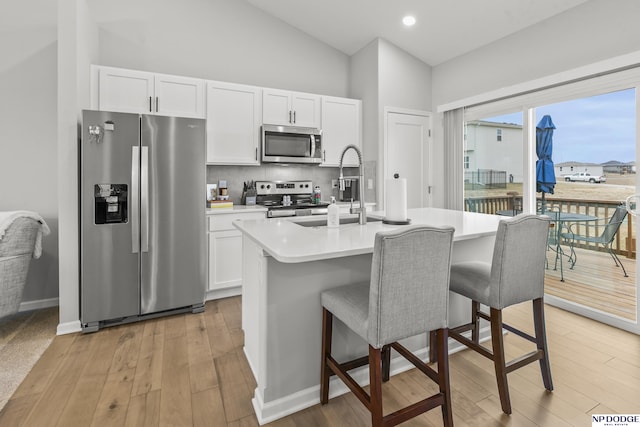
(287, 264)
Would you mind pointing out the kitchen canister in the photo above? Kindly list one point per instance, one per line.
(396, 201)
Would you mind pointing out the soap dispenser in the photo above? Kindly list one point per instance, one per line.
(333, 214)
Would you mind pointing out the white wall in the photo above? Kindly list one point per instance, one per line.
(363, 85)
(77, 48)
(404, 80)
(594, 31)
(225, 40)
(28, 129)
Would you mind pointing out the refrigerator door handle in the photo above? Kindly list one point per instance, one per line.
(135, 200)
(144, 200)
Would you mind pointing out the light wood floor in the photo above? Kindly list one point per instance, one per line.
(190, 370)
(595, 282)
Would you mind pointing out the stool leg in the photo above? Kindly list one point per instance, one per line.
(432, 346)
(375, 386)
(475, 332)
(541, 342)
(386, 362)
(498, 359)
(325, 372)
(443, 375)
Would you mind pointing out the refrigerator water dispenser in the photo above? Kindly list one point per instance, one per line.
(110, 203)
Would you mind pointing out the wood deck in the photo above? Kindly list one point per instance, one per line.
(595, 282)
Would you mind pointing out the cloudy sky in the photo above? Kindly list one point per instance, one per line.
(595, 129)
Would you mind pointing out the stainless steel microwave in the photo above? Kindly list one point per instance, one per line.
(288, 144)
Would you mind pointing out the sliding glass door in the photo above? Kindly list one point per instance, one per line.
(592, 247)
(594, 153)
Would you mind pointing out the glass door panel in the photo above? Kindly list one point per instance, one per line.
(493, 164)
(594, 154)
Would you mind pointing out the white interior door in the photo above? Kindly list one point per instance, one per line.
(407, 153)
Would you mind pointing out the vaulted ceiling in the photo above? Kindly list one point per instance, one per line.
(444, 29)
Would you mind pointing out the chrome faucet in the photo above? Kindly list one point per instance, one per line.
(361, 211)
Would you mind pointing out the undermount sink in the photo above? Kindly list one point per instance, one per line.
(343, 220)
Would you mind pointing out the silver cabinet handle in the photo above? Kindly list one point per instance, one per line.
(289, 116)
(150, 109)
(324, 155)
(256, 154)
(156, 104)
(144, 200)
(135, 200)
(294, 117)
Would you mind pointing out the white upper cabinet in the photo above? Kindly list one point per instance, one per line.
(179, 96)
(233, 123)
(126, 91)
(341, 126)
(280, 107)
(131, 91)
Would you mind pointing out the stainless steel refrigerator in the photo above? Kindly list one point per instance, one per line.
(142, 236)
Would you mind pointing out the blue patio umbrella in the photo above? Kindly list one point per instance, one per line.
(545, 175)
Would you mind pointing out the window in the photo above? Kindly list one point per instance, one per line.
(466, 162)
(498, 135)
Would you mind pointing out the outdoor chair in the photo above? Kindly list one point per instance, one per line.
(554, 239)
(605, 239)
(515, 202)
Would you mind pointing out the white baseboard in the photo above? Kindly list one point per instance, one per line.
(287, 405)
(224, 293)
(37, 304)
(69, 327)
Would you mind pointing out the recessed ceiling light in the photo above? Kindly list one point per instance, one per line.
(408, 20)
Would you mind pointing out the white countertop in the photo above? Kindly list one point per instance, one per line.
(236, 209)
(290, 242)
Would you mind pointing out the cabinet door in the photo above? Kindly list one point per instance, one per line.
(306, 110)
(276, 107)
(225, 260)
(125, 91)
(341, 126)
(233, 123)
(179, 96)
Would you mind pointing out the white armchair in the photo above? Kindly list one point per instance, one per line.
(20, 236)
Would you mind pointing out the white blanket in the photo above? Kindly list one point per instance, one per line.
(7, 218)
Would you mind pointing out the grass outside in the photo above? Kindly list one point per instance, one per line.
(616, 189)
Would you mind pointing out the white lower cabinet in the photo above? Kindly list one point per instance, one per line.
(225, 254)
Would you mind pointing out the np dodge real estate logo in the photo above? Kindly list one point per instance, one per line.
(615, 420)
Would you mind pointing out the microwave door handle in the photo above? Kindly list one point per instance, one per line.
(313, 146)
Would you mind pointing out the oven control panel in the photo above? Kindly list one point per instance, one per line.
(283, 187)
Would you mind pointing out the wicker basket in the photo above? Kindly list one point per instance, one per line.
(16, 250)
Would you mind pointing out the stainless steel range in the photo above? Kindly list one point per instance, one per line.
(288, 198)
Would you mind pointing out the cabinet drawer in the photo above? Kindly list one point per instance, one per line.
(221, 222)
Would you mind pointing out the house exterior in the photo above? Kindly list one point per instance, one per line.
(567, 168)
(614, 166)
(493, 146)
(44, 81)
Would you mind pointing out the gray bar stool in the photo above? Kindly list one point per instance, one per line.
(515, 275)
(408, 294)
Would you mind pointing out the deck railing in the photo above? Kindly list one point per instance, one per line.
(624, 241)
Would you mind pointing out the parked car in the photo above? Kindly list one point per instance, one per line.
(585, 177)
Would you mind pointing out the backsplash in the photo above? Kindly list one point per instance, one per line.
(237, 175)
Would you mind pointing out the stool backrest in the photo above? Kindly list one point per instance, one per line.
(517, 270)
(409, 291)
